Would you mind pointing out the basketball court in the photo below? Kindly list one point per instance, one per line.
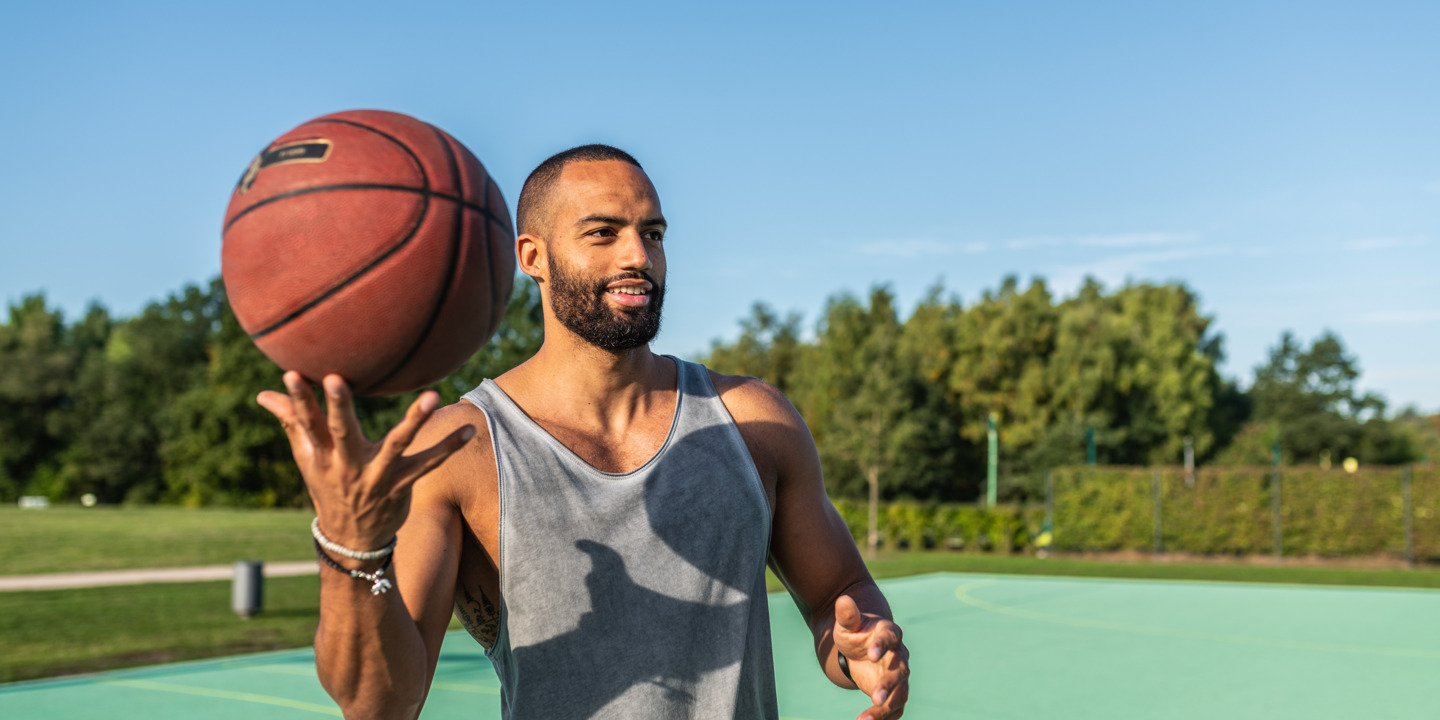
(998, 647)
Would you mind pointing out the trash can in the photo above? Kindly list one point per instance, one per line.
(247, 593)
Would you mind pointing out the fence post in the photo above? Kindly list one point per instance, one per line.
(1049, 499)
(992, 478)
(1409, 511)
(1156, 491)
(1275, 510)
(1189, 461)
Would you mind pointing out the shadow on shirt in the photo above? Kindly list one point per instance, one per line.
(718, 522)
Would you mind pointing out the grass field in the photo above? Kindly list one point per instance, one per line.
(72, 538)
(56, 632)
(46, 633)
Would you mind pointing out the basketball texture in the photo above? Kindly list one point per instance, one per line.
(369, 244)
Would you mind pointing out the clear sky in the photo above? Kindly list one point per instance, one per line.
(1282, 159)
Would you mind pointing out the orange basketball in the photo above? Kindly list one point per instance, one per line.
(369, 244)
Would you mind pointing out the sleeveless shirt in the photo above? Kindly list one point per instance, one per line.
(632, 595)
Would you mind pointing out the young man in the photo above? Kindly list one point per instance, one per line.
(603, 516)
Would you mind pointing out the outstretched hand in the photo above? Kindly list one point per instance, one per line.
(878, 659)
(361, 489)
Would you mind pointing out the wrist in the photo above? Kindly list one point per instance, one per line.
(376, 576)
(844, 664)
(365, 550)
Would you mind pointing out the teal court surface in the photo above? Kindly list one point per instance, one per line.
(1031, 648)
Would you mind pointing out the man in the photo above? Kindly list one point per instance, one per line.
(603, 516)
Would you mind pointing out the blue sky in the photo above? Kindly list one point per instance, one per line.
(1282, 159)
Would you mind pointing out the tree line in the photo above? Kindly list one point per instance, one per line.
(900, 407)
(159, 407)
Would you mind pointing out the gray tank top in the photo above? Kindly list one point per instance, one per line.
(632, 595)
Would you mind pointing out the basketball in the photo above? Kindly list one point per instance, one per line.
(368, 244)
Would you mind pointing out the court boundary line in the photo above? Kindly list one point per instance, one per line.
(962, 594)
(1185, 581)
(178, 689)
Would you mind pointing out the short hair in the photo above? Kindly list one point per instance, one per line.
(533, 208)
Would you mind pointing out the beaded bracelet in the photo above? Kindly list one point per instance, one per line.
(343, 551)
(380, 584)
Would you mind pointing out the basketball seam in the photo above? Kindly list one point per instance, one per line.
(455, 238)
(427, 194)
(424, 212)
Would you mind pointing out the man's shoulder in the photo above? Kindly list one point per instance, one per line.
(455, 415)
(753, 400)
(475, 459)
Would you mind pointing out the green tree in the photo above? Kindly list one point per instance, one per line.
(768, 348)
(1309, 398)
(1001, 348)
(1139, 366)
(218, 447)
(864, 401)
(36, 367)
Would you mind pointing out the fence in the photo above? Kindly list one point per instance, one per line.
(1229, 511)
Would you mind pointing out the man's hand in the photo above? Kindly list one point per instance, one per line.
(361, 489)
(879, 662)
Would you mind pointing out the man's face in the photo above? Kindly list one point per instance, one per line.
(606, 260)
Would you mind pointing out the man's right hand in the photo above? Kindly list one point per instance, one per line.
(361, 489)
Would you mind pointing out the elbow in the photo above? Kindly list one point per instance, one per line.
(372, 700)
(375, 707)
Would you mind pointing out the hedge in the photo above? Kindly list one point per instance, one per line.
(1223, 512)
(911, 525)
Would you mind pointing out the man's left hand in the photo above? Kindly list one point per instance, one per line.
(879, 661)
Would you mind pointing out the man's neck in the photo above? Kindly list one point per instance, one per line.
(570, 378)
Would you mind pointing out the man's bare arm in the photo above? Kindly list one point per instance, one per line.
(813, 553)
(375, 653)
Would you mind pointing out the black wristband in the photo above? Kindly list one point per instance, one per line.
(380, 584)
(844, 664)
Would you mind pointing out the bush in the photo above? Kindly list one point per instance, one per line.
(1226, 511)
(946, 526)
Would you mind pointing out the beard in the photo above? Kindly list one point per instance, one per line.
(580, 306)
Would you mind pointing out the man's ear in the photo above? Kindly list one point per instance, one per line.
(530, 252)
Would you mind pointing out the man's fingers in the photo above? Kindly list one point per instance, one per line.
(413, 467)
(847, 614)
(307, 410)
(398, 440)
(278, 404)
(892, 690)
(283, 408)
(892, 707)
(343, 425)
(883, 637)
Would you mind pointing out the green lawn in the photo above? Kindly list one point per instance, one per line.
(72, 538)
(57, 632)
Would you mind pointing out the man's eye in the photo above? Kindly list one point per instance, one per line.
(655, 236)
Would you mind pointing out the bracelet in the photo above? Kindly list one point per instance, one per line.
(343, 551)
(844, 664)
(380, 584)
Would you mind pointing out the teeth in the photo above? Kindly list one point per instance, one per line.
(628, 290)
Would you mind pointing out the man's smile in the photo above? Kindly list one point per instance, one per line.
(630, 293)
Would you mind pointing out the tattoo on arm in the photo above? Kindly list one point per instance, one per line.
(479, 617)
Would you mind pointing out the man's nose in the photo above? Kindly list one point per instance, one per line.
(634, 255)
